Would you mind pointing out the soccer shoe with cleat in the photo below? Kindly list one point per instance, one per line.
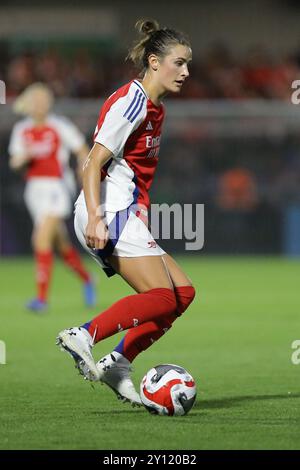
(78, 343)
(115, 372)
(37, 305)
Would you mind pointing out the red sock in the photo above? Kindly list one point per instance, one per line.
(44, 261)
(72, 259)
(141, 338)
(184, 297)
(132, 311)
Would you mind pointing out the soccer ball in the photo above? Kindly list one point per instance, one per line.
(168, 389)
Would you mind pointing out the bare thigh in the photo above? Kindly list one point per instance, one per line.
(62, 239)
(44, 233)
(178, 277)
(143, 273)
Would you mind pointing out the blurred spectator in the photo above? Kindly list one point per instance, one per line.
(237, 190)
(257, 72)
(20, 74)
(223, 75)
(215, 75)
(51, 69)
(83, 80)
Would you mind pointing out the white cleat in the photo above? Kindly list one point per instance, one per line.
(78, 343)
(115, 372)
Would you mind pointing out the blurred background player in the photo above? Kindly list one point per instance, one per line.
(233, 113)
(41, 144)
(126, 149)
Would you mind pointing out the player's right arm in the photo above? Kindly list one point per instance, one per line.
(122, 114)
(17, 151)
(17, 162)
(96, 233)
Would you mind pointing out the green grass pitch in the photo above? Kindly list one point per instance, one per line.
(235, 340)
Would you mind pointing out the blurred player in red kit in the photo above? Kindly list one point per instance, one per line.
(111, 214)
(41, 144)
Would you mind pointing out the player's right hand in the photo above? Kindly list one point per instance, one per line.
(96, 233)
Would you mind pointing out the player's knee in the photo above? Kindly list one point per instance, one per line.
(168, 300)
(37, 241)
(191, 293)
(168, 303)
(184, 296)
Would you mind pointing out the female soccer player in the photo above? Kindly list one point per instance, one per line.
(42, 143)
(110, 217)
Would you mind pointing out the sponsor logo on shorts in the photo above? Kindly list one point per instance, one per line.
(152, 244)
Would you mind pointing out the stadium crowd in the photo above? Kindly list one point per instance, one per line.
(262, 179)
(218, 73)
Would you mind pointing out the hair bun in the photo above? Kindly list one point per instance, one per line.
(147, 27)
(153, 40)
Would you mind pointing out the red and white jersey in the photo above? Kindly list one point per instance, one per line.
(129, 126)
(49, 145)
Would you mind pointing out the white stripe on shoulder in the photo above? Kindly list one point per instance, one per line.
(137, 102)
(140, 87)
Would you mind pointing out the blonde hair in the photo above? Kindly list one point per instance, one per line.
(154, 40)
(22, 102)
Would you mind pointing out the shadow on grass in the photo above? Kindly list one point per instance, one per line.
(200, 407)
(235, 401)
(124, 412)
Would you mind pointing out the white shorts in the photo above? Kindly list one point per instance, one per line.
(129, 236)
(47, 196)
